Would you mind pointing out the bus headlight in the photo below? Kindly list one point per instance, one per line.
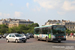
(53, 36)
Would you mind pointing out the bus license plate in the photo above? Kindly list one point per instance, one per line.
(59, 39)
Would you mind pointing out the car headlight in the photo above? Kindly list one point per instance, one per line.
(53, 36)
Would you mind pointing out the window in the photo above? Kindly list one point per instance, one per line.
(13, 36)
(37, 31)
(9, 35)
(49, 30)
(44, 30)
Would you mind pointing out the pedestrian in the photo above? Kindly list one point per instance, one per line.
(72, 35)
(66, 35)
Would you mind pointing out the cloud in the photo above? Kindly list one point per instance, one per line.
(11, 4)
(0, 14)
(27, 4)
(34, 9)
(18, 14)
(61, 6)
(69, 6)
(48, 4)
(61, 13)
(6, 15)
(37, 9)
(57, 4)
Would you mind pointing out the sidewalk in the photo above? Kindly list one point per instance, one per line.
(70, 38)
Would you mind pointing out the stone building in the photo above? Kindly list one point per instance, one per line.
(69, 24)
(15, 22)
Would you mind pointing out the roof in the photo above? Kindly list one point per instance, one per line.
(46, 26)
(43, 26)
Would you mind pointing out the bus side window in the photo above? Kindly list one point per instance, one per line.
(49, 30)
(44, 30)
(37, 31)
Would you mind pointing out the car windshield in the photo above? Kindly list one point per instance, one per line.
(18, 35)
(25, 34)
(22, 34)
(5, 34)
(59, 30)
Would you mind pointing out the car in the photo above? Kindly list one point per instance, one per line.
(30, 34)
(15, 37)
(27, 36)
(0, 36)
(4, 36)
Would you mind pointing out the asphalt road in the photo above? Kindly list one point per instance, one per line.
(33, 44)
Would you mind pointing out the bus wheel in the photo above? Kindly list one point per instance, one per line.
(59, 41)
(38, 39)
(47, 40)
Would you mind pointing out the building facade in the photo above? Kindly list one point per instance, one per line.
(69, 24)
(15, 22)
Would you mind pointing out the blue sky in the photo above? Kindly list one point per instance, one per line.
(39, 11)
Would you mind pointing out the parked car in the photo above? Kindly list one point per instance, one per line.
(15, 37)
(27, 36)
(4, 36)
(0, 36)
(30, 34)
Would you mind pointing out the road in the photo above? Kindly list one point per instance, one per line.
(33, 44)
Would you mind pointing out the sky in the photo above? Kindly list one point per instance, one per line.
(39, 11)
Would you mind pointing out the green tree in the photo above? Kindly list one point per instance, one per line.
(3, 28)
(21, 28)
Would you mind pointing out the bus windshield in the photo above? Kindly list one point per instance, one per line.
(37, 31)
(59, 30)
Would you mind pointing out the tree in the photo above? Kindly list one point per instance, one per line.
(3, 28)
(21, 28)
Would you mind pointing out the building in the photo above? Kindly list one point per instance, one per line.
(15, 22)
(69, 24)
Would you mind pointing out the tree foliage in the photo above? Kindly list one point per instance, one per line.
(21, 28)
(3, 29)
(69, 31)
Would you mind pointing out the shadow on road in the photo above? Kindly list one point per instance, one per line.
(67, 41)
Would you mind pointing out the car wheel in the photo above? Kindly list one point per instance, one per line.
(7, 41)
(38, 39)
(16, 41)
(28, 38)
(24, 41)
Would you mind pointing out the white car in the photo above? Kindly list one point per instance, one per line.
(15, 37)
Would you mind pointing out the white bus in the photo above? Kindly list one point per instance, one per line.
(50, 33)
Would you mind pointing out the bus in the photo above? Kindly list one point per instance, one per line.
(50, 33)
